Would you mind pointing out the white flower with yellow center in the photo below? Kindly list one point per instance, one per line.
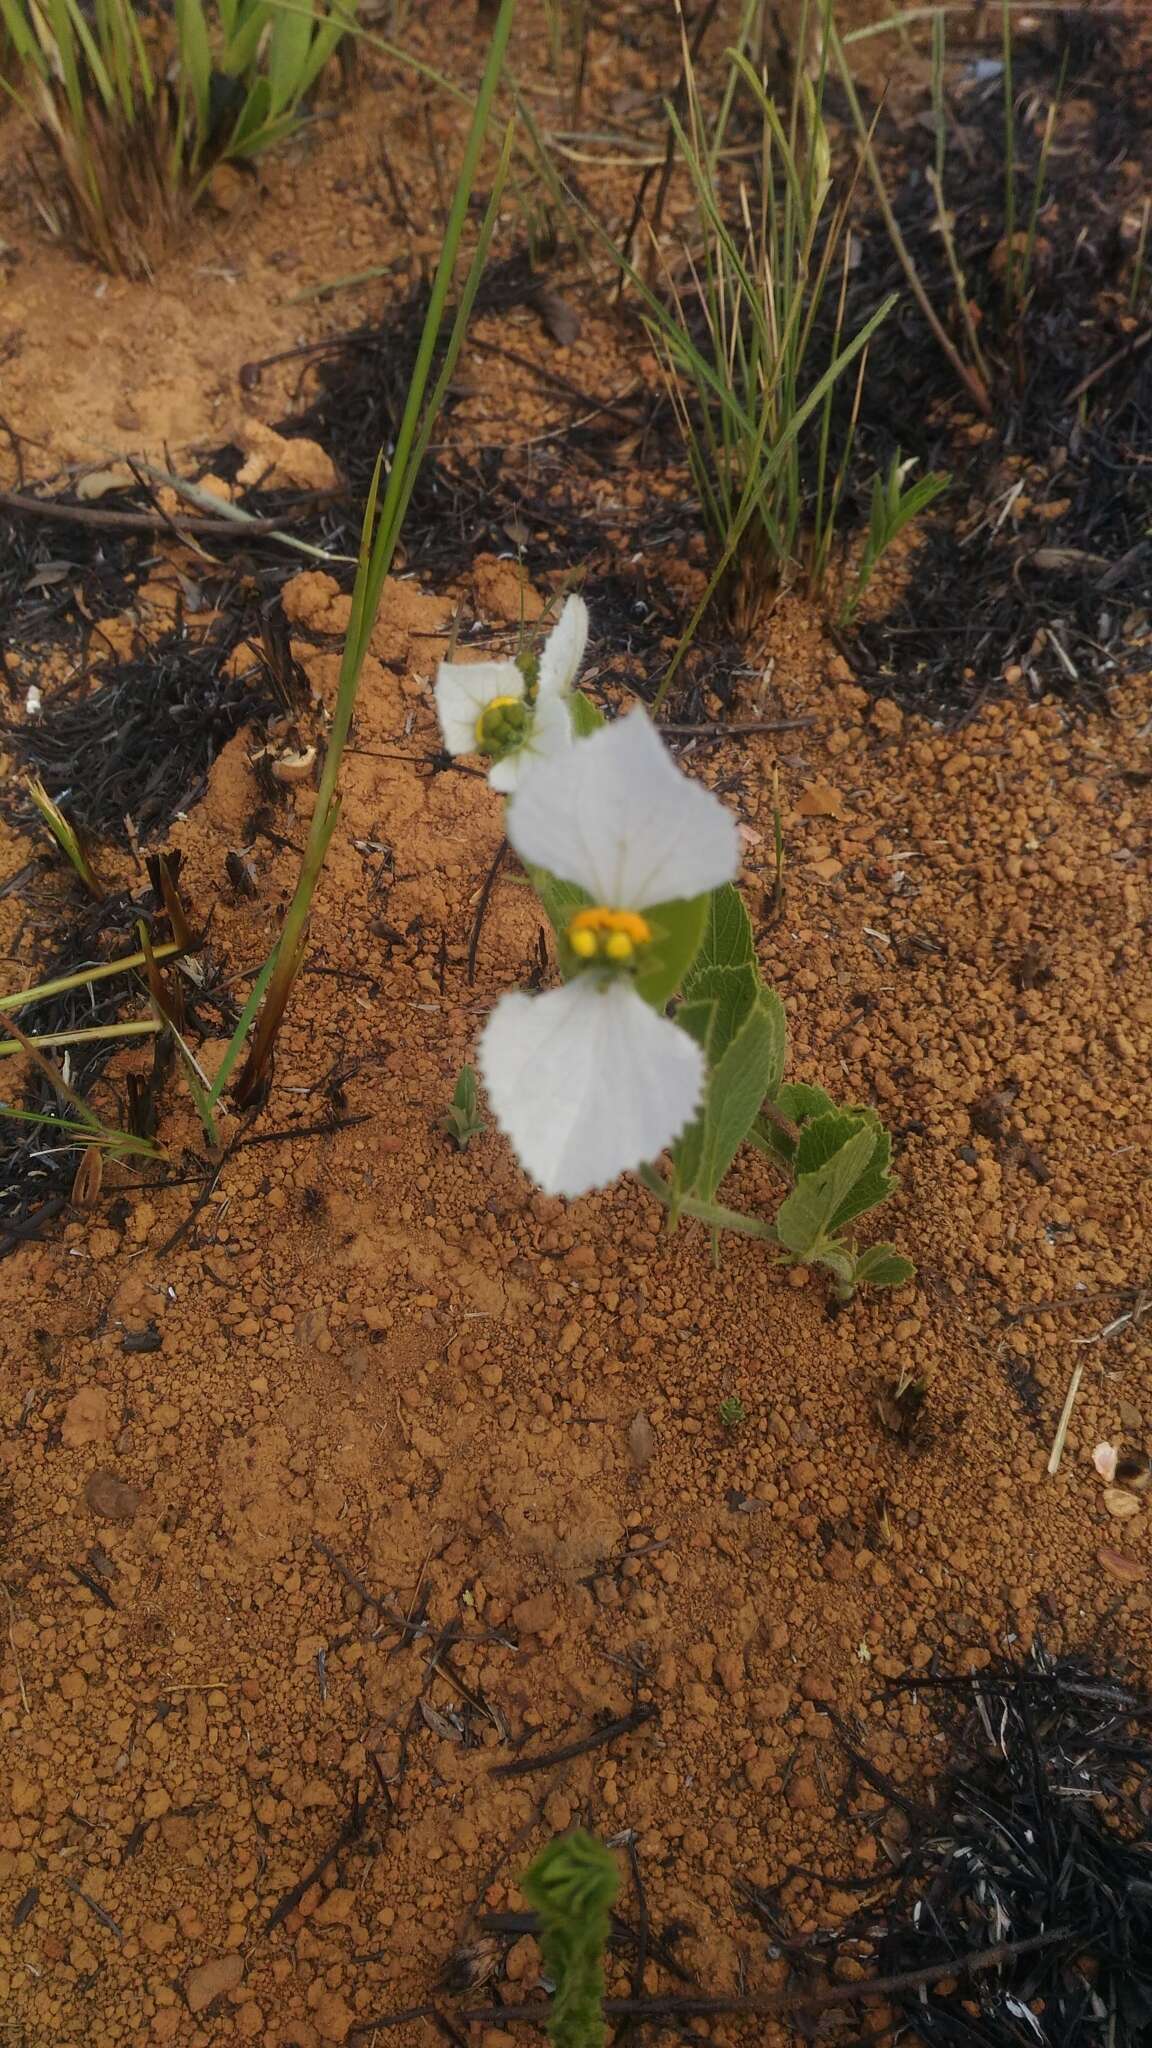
(514, 713)
(589, 1081)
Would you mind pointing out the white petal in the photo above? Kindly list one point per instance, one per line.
(587, 1081)
(549, 733)
(1105, 1458)
(617, 816)
(463, 690)
(504, 775)
(563, 651)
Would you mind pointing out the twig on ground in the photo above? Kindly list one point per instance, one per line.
(768, 2002)
(487, 887)
(548, 1759)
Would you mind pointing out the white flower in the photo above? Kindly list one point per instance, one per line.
(589, 1081)
(493, 708)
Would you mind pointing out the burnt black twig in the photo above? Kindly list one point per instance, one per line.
(611, 1731)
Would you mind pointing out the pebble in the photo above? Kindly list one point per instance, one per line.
(112, 1499)
(333, 2017)
(802, 1794)
(534, 1616)
(209, 1980)
(87, 1418)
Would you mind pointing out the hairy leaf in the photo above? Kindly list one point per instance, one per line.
(883, 1266)
(805, 1216)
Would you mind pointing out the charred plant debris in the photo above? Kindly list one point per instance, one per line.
(1039, 1833)
(1043, 574)
(38, 1164)
(128, 747)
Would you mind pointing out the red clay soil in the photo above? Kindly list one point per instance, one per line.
(375, 1514)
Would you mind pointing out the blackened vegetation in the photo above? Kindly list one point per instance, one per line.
(129, 746)
(38, 1162)
(1041, 1827)
(541, 499)
(1042, 553)
(56, 582)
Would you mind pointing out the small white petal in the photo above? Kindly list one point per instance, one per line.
(464, 690)
(549, 733)
(1105, 1458)
(563, 651)
(587, 1081)
(504, 775)
(618, 817)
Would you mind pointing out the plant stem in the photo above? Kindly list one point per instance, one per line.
(64, 982)
(90, 1036)
(378, 547)
(711, 1213)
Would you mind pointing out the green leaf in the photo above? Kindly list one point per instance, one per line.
(195, 60)
(823, 1136)
(587, 717)
(805, 1216)
(800, 1101)
(724, 980)
(676, 933)
(329, 34)
(737, 1085)
(251, 121)
(461, 1120)
(874, 1185)
(882, 1266)
(677, 929)
(244, 39)
(288, 48)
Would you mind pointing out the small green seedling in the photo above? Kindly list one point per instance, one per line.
(461, 1120)
(65, 835)
(893, 508)
(572, 1886)
(733, 1413)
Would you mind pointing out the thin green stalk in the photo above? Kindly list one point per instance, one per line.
(64, 982)
(968, 375)
(379, 540)
(711, 1213)
(90, 1035)
(959, 281)
(748, 505)
(123, 1142)
(1038, 187)
(1009, 163)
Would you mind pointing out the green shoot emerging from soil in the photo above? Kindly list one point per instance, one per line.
(139, 118)
(572, 1886)
(379, 538)
(747, 319)
(894, 506)
(733, 1413)
(461, 1120)
(65, 835)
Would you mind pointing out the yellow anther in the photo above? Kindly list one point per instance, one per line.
(614, 935)
(486, 725)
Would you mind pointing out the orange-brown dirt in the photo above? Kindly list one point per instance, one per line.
(396, 1391)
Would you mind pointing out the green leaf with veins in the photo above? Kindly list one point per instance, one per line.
(743, 1075)
(805, 1216)
(883, 1266)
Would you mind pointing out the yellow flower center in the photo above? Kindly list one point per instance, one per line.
(500, 725)
(602, 934)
